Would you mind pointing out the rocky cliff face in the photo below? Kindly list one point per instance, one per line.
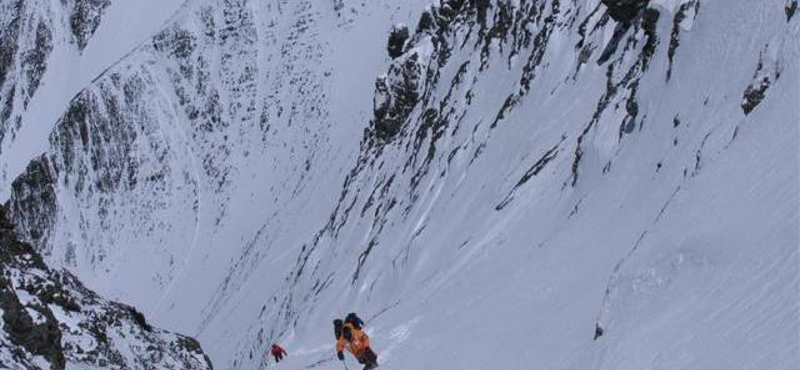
(29, 32)
(51, 321)
(50, 51)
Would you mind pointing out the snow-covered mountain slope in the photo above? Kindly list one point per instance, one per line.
(198, 136)
(51, 321)
(49, 51)
(563, 184)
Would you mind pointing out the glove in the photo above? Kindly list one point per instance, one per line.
(340, 355)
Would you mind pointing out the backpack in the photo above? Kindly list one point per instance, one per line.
(337, 328)
(353, 319)
(347, 333)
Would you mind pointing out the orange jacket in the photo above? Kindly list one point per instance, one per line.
(359, 343)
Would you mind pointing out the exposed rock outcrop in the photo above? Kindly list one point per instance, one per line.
(50, 320)
(397, 39)
(625, 10)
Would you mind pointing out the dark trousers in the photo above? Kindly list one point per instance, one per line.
(278, 357)
(367, 357)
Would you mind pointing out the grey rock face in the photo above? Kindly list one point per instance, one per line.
(625, 10)
(396, 96)
(30, 31)
(397, 39)
(49, 314)
(768, 72)
(40, 338)
(85, 19)
(34, 201)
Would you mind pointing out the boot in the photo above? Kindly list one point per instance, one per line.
(370, 359)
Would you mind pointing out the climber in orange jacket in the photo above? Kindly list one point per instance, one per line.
(350, 337)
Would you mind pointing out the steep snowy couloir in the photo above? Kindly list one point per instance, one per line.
(533, 183)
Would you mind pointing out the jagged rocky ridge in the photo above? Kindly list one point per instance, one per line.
(425, 130)
(502, 133)
(417, 110)
(51, 321)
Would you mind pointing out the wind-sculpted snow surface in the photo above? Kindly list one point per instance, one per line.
(560, 184)
(51, 321)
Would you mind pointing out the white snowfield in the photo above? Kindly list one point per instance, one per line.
(518, 193)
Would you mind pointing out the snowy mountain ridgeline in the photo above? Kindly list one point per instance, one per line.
(555, 184)
(51, 321)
